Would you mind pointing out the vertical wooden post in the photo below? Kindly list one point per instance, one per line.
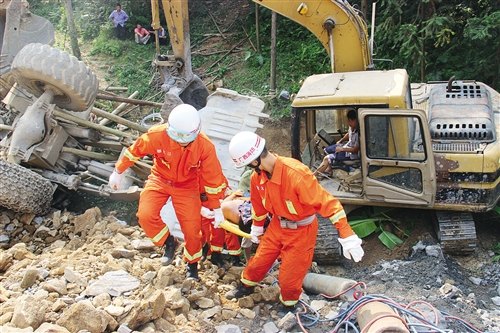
(272, 83)
(72, 30)
(257, 27)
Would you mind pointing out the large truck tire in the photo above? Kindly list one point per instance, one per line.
(23, 190)
(39, 65)
(328, 250)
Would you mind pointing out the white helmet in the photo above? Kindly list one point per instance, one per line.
(184, 124)
(245, 147)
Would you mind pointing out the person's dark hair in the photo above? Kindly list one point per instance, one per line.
(264, 152)
(352, 115)
(118, 4)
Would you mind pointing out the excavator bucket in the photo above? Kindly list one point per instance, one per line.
(19, 27)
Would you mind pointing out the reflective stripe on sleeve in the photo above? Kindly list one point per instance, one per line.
(338, 216)
(131, 156)
(215, 190)
(258, 218)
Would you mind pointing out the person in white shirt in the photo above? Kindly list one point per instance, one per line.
(341, 151)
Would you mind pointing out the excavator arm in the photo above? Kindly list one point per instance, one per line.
(337, 25)
(179, 82)
(176, 14)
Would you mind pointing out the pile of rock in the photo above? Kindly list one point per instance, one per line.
(91, 273)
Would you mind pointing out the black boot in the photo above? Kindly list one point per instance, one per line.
(192, 271)
(236, 261)
(169, 250)
(204, 251)
(283, 309)
(239, 292)
(216, 259)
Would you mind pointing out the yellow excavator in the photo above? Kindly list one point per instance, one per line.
(179, 82)
(422, 145)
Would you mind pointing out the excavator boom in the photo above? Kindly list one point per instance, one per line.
(330, 20)
(176, 14)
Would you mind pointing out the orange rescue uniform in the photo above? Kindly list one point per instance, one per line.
(293, 196)
(219, 238)
(178, 172)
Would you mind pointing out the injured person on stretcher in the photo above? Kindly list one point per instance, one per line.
(237, 209)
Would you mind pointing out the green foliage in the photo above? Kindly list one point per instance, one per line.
(106, 44)
(435, 40)
(389, 239)
(372, 220)
(134, 69)
(52, 10)
(496, 250)
(432, 39)
(364, 227)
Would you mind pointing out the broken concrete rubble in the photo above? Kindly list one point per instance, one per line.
(102, 281)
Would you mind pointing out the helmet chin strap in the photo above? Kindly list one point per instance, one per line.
(258, 169)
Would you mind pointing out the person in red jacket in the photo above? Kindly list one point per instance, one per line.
(286, 189)
(185, 160)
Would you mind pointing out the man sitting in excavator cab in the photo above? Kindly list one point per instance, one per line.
(338, 154)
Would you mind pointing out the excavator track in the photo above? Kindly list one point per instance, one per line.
(456, 232)
(328, 250)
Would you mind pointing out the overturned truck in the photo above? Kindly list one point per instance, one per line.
(51, 134)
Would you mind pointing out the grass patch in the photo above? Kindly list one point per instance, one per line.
(130, 62)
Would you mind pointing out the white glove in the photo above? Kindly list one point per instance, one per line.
(351, 247)
(255, 233)
(116, 180)
(206, 213)
(218, 217)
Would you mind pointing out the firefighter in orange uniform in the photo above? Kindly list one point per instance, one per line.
(286, 189)
(184, 161)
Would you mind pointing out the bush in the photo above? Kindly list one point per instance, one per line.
(105, 43)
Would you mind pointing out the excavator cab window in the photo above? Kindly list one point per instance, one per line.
(395, 138)
(324, 127)
(333, 122)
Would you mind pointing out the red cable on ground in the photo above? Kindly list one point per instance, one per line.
(297, 315)
(371, 322)
(361, 284)
(436, 315)
(460, 319)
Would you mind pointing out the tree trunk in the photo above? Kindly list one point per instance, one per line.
(257, 27)
(72, 30)
(364, 8)
(272, 83)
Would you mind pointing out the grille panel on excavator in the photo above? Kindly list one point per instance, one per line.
(462, 112)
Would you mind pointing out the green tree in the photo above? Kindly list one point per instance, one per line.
(435, 39)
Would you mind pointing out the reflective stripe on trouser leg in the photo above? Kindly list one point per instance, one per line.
(296, 259)
(152, 199)
(232, 244)
(216, 239)
(267, 252)
(187, 206)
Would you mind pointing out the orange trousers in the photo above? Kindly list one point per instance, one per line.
(218, 237)
(295, 247)
(187, 206)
